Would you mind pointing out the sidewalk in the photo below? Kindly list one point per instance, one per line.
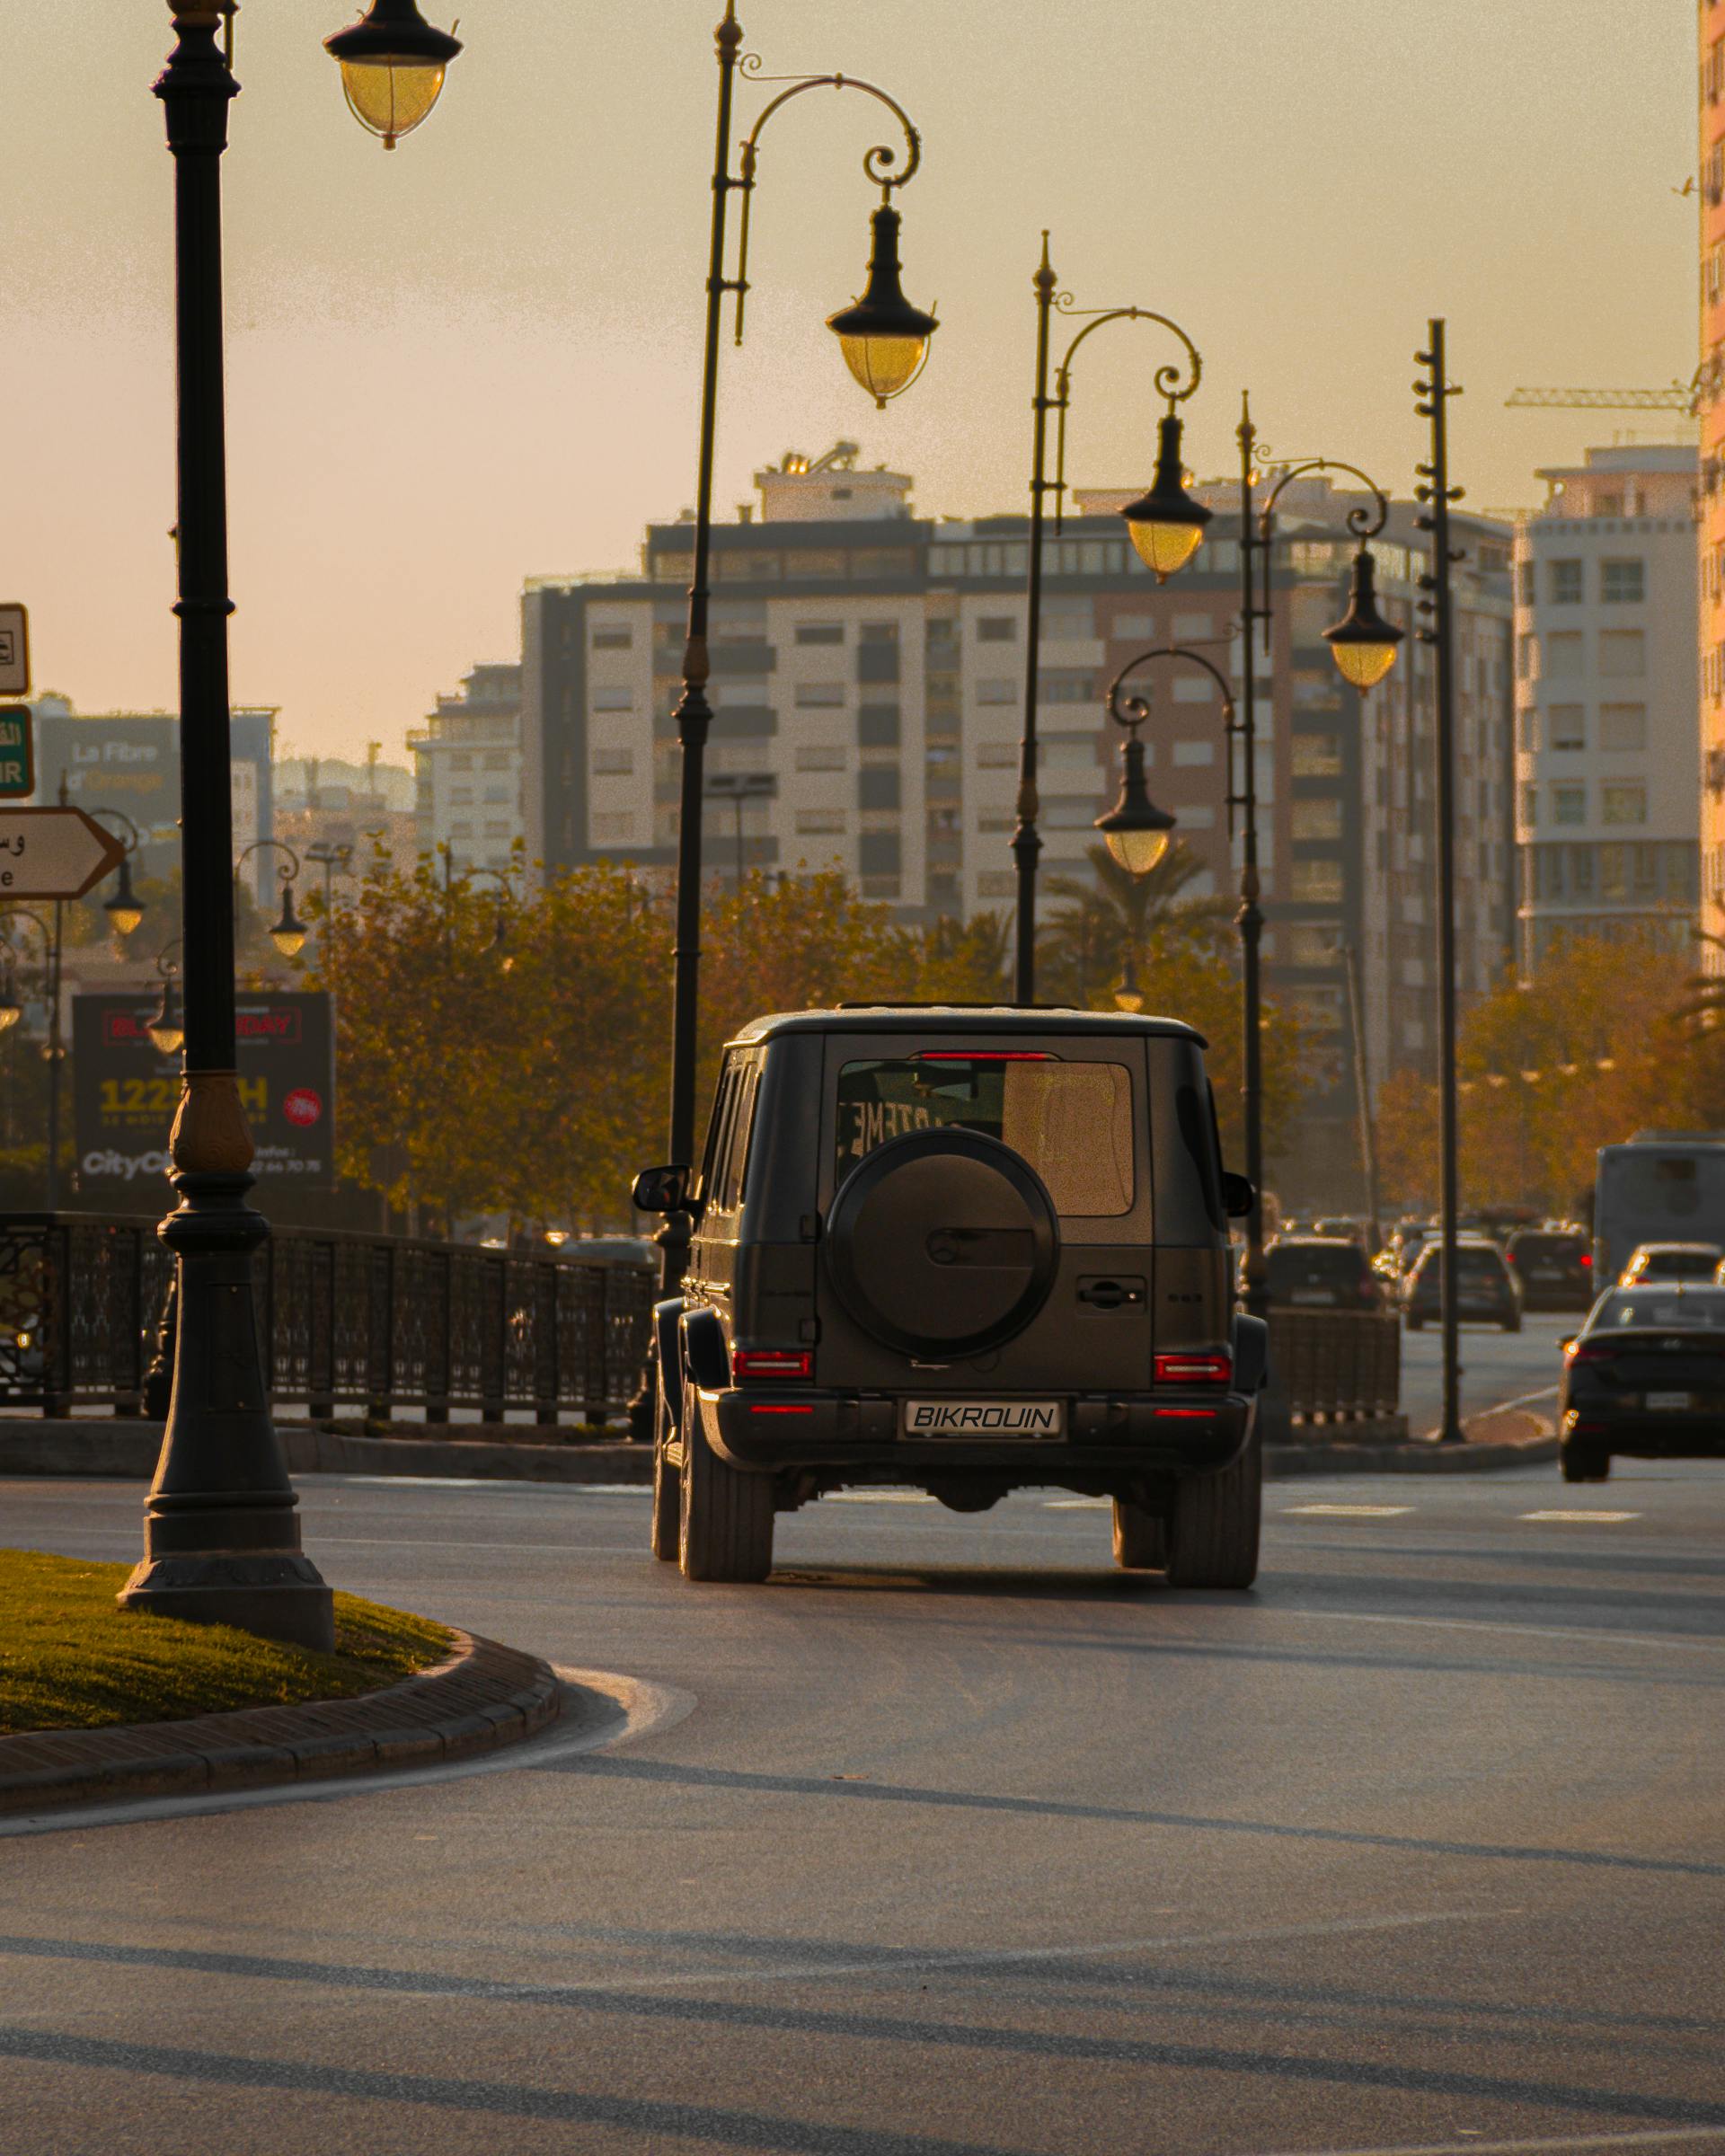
(483, 1696)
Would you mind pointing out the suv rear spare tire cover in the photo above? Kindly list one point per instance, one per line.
(942, 1242)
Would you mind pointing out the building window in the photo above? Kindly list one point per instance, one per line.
(877, 787)
(1623, 726)
(1563, 581)
(820, 755)
(1314, 944)
(997, 755)
(497, 759)
(460, 796)
(1315, 882)
(613, 763)
(461, 762)
(1316, 756)
(613, 638)
(1526, 731)
(1567, 725)
(1315, 819)
(820, 632)
(997, 883)
(1622, 654)
(614, 824)
(820, 696)
(815, 823)
(1563, 658)
(1065, 685)
(1623, 801)
(497, 830)
(1529, 806)
(877, 853)
(613, 700)
(1525, 583)
(877, 726)
(997, 629)
(1568, 804)
(1526, 656)
(1196, 755)
(998, 690)
(1622, 583)
(1137, 626)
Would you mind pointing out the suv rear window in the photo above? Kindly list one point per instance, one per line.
(1289, 1264)
(1546, 1246)
(1070, 1121)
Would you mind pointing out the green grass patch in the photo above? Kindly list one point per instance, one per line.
(71, 1658)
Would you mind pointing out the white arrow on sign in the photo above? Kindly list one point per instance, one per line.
(54, 852)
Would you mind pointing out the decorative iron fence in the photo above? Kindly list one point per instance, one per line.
(1338, 1365)
(376, 1321)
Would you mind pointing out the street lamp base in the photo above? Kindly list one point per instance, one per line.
(221, 1524)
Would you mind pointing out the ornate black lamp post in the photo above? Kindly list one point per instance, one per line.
(1364, 646)
(221, 1532)
(165, 1027)
(1166, 526)
(884, 340)
(123, 907)
(288, 932)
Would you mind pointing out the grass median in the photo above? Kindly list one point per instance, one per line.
(70, 1659)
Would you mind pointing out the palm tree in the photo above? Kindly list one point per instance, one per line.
(1113, 917)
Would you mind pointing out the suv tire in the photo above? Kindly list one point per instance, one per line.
(1213, 1523)
(1584, 1463)
(667, 1485)
(725, 1523)
(1140, 1537)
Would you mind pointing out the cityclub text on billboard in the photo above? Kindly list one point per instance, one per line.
(125, 1091)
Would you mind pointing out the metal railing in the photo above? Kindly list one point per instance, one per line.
(374, 1321)
(1337, 1366)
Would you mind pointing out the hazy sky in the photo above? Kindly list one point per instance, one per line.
(475, 358)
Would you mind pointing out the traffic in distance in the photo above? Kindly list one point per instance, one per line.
(924, 1252)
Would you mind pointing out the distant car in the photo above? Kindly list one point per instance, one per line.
(1319, 1272)
(1485, 1288)
(1553, 1267)
(1658, 1262)
(1346, 1230)
(1644, 1378)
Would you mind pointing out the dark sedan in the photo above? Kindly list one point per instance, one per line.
(1553, 1268)
(1319, 1272)
(1485, 1289)
(1645, 1378)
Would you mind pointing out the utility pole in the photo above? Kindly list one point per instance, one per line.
(1434, 395)
(1363, 1095)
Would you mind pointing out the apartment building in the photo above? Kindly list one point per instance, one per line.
(467, 771)
(1607, 810)
(1710, 405)
(868, 673)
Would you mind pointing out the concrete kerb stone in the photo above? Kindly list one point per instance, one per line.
(484, 1696)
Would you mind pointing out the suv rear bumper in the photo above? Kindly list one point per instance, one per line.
(1174, 1433)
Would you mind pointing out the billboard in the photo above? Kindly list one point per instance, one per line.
(125, 1091)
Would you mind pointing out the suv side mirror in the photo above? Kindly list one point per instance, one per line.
(1237, 1195)
(661, 1191)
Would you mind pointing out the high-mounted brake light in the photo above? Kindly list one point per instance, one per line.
(984, 1055)
(751, 1364)
(1187, 1369)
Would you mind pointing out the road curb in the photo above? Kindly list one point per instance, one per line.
(484, 1696)
(1512, 1437)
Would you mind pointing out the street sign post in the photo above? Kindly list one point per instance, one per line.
(15, 651)
(17, 752)
(54, 852)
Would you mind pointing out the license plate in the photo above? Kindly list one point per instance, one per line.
(1546, 1272)
(1317, 1298)
(984, 1419)
(1667, 1400)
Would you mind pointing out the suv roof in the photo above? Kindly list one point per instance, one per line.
(978, 1018)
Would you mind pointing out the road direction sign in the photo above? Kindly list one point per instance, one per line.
(17, 752)
(15, 651)
(54, 852)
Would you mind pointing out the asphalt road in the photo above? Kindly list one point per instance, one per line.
(948, 1839)
(1496, 1366)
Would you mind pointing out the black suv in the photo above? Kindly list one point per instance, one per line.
(970, 1249)
(1553, 1268)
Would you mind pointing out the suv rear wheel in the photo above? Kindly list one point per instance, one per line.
(1140, 1537)
(668, 1493)
(726, 1523)
(1213, 1523)
(1585, 1463)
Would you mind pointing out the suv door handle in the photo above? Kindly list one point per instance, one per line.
(1109, 1291)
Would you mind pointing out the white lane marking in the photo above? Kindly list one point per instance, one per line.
(1346, 1512)
(646, 1709)
(878, 1497)
(1652, 2137)
(1079, 1504)
(1559, 1513)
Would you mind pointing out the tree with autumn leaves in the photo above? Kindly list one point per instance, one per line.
(1605, 1039)
(511, 1054)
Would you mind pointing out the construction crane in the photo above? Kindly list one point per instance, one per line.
(1679, 397)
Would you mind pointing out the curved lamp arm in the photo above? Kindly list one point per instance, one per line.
(1172, 380)
(878, 162)
(1131, 712)
(136, 838)
(166, 967)
(22, 913)
(258, 846)
(1361, 522)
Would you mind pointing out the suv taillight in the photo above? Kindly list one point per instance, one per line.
(749, 1366)
(1200, 1369)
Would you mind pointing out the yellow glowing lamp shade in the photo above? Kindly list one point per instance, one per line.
(1363, 643)
(288, 933)
(123, 919)
(393, 64)
(167, 1040)
(167, 1034)
(883, 338)
(1134, 830)
(1128, 997)
(10, 1013)
(1167, 524)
